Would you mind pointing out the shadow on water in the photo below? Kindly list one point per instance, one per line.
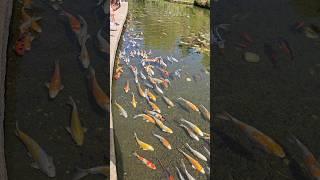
(234, 146)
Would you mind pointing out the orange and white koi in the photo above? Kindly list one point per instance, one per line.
(101, 98)
(155, 114)
(164, 141)
(76, 130)
(148, 163)
(145, 117)
(163, 127)
(258, 137)
(55, 85)
(195, 128)
(310, 161)
(154, 106)
(144, 146)
(133, 102)
(43, 161)
(30, 22)
(195, 164)
(127, 87)
(189, 104)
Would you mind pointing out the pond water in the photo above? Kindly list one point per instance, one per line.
(43, 119)
(279, 101)
(160, 26)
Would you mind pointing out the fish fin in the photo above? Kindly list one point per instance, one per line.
(35, 165)
(61, 87)
(68, 129)
(193, 167)
(47, 84)
(85, 129)
(80, 173)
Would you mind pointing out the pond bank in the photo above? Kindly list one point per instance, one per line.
(199, 3)
(120, 17)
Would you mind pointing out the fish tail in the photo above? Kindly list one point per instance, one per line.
(135, 154)
(80, 173)
(225, 116)
(71, 101)
(91, 71)
(135, 136)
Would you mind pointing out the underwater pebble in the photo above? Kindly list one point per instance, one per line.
(188, 79)
(251, 57)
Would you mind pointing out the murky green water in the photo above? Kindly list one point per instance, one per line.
(45, 120)
(278, 101)
(163, 24)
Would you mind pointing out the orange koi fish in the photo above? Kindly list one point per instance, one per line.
(74, 22)
(101, 98)
(55, 85)
(127, 87)
(264, 141)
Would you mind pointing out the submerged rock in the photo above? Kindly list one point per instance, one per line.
(251, 57)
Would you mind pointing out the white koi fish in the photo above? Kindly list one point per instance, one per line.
(193, 127)
(122, 111)
(196, 153)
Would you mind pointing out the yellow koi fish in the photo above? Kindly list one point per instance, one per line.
(195, 128)
(141, 92)
(143, 146)
(133, 102)
(189, 104)
(195, 164)
(55, 85)
(101, 98)
(154, 106)
(42, 161)
(163, 127)
(264, 141)
(76, 130)
(151, 96)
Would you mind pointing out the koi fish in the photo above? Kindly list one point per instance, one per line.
(190, 132)
(206, 150)
(148, 85)
(133, 102)
(155, 114)
(265, 142)
(122, 111)
(163, 127)
(284, 45)
(189, 104)
(163, 141)
(101, 98)
(19, 47)
(127, 87)
(145, 117)
(195, 164)
(169, 176)
(135, 73)
(205, 112)
(103, 170)
(148, 163)
(74, 22)
(55, 85)
(164, 72)
(142, 76)
(103, 44)
(144, 146)
(186, 172)
(159, 90)
(168, 101)
(28, 38)
(141, 92)
(76, 130)
(150, 95)
(174, 59)
(154, 106)
(84, 54)
(196, 153)
(30, 22)
(246, 37)
(42, 160)
(195, 128)
(310, 161)
(179, 173)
